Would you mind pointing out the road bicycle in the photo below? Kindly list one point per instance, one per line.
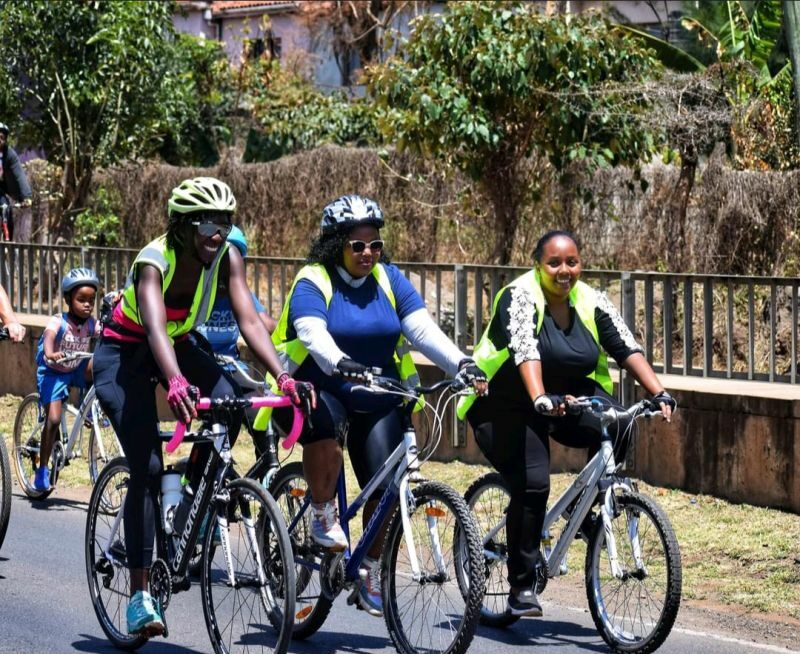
(102, 443)
(632, 569)
(247, 581)
(5, 475)
(431, 566)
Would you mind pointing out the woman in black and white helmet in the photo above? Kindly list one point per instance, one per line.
(350, 309)
(171, 288)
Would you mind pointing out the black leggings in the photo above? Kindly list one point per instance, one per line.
(124, 381)
(371, 437)
(515, 441)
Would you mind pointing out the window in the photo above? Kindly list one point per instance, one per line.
(269, 46)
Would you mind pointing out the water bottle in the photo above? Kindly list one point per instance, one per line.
(183, 508)
(171, 494)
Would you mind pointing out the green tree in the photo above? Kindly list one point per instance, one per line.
(293, 115)
(486, 85)
(97, 81)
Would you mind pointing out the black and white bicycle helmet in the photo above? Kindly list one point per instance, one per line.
(201, 194)
(4, 128)
(350, 211)
(79, 277)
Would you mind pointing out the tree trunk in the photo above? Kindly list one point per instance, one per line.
(75, 182)
(677, 210)
(501, 187)
(791, 23)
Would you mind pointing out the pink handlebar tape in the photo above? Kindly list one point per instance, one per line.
(257, 403)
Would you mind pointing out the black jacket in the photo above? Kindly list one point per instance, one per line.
(14, 181)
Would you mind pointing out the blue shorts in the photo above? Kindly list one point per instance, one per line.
(54, 386)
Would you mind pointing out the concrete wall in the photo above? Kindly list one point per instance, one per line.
(735, 440)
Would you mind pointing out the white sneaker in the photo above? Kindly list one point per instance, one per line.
(325, 528)
(369, 595)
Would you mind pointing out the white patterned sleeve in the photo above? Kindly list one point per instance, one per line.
(521, 326)
(615, 336)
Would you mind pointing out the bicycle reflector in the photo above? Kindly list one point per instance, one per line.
(434, 512)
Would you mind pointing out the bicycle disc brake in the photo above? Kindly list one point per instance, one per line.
(161, 584)
(331, 574)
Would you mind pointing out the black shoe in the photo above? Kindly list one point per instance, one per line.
(524, 603)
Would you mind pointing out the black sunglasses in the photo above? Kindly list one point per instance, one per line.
(209, 228)
(359, 246)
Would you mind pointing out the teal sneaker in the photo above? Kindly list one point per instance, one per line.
(143, 616)
(41, 480)
(369, 595)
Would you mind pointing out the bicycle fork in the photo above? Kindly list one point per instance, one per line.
(607, 511)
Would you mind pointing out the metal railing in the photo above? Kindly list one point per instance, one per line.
(701, 325)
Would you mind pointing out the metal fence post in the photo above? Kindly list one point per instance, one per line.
(460, 308)
(460, 319)
(628, 298)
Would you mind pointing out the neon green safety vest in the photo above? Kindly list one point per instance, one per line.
(583, 297)
(293, 353)
(156, 253)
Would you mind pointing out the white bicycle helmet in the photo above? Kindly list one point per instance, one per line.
(350, 211)
(201, 194)
(4, 128)
(79, 277)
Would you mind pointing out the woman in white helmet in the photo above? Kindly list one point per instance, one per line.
(171, 288)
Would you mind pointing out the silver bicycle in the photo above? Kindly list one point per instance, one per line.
(101, 442)
(633, 563)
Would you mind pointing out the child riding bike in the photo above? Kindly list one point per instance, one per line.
(66, 333)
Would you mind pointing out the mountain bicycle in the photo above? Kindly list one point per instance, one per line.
(5, 475)
(431, 548)
(102, 443)
(633, 565)
(247, 581)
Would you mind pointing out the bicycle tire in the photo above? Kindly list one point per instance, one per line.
(5, 489)
(253, 517)
(27, 442)
(612, 614)
(410, 605)
(109, 580)
(289, 489)
(487, 498)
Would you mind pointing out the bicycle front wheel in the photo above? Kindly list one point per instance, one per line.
(290, 491)
(5, 489)
(432, 575)
(28, 425)
(634, 606)
(251, 611)
(488, 498)
(106, 560)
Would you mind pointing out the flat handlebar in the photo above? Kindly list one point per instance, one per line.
(274, 401)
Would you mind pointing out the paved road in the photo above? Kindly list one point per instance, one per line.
(44, 605)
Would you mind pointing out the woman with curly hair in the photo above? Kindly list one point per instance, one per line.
(351, 310)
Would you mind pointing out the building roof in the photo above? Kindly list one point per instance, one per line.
(221, 7)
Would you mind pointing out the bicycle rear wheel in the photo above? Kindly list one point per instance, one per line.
(5, 489)
(488, 498)
(290, 491)
(254, 614)
(28, 425)
(106, 560)
(634, 610)
(433, 611)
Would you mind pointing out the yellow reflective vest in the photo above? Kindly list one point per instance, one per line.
(293, 353)
(156, 253)
(583, 297)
